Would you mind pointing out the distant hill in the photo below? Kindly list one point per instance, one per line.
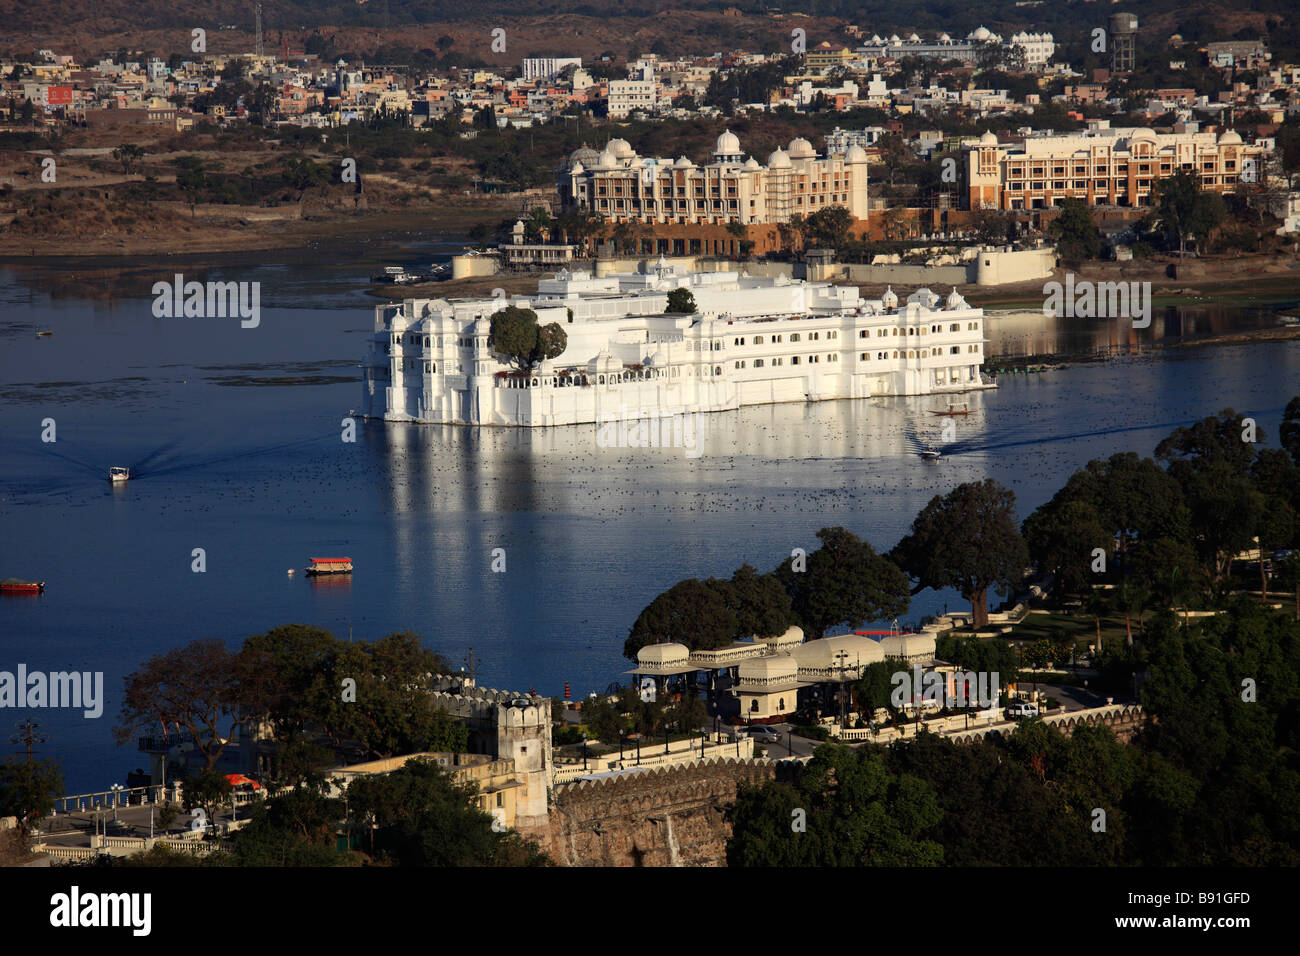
(25, 24)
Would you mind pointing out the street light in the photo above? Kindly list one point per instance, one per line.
(117, 788)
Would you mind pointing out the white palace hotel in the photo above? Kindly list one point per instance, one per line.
(752, 341)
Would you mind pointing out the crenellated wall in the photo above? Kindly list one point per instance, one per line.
(660, 817)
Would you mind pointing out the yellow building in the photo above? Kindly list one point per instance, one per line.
(622, 186)
(826, 55)
(1102, 166)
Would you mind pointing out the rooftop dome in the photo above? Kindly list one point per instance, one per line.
(752, 163)
(800, 148)
(775, 667)
(988, 139)
(621, 148)
(856, 154)
(793, 635)
(890, 298)
(606, 160)
(585, 155)
(979, 33)
(894, 39)
(944, 38)
(875, 38)
(858, 651)
(1230, 138)
(663, 654)
(913, 38)
(779, 159)
(683, 163)
(577, 169)
(728, 144)
(908, 645)
(924, 297)
(955, 301)
(1143, 133)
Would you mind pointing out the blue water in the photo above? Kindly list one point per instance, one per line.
(256, 474)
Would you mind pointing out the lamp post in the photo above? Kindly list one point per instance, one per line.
(117, 788)
(584, 752)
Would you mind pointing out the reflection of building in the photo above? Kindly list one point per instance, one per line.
(1102, 166)
(752, 341)
(622, 186)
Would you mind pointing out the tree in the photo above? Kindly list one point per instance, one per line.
(1062, 538)
(28, 789)
(846, 582)
(303, 174)
(1289, 433)
(203, 688)
(1076, 234)
(295, 828)
(855, 810)
(830, 226)
(1183, 209)
(760, 603)
(680, 302)
(417, 816)
(514, 334)
(691, 612)
(968, 540)
(191, 179)
(385, 709)
(129, 155)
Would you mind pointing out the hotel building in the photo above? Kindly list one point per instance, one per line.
(1102, 166)
(622, 186)
(752, 341)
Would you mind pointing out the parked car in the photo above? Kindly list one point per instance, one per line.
(1022, 709)
(765, 734)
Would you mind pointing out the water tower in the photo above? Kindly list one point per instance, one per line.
(1123, 39)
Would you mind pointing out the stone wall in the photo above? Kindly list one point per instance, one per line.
(662, 817)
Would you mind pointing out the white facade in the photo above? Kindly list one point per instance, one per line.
(547, 67)
(1037, 47)
(637, 92)
(753, 341)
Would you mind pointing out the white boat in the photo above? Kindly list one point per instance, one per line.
(118, 473)
(929, 454)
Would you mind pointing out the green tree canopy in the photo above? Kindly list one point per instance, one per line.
(1077, 236)
(966, 539)
(515, 335)
(846, 583)
(680, 302)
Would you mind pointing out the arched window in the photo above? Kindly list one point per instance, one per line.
(753, 706)
(600, 380)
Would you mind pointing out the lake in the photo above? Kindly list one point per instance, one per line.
(235, 440)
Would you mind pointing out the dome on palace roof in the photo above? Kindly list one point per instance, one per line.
(621, 148)
(856, 154)
(792, 635)
(606, 160)
(908, 645)
(671, 653)
(800, 148)
(913, 38)
(683, 163)
(890, 298)
(895, 39)
(577, 169)
(779, 159)
(858, 651)
(979, 33)
(944, 38)
(955, 301)
(752, 163)
(774, 667)
(728, 144)
(585, 155)
(988, 139)
(1230, 138)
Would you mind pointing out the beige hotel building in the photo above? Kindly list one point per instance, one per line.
(622, 186)
(1103, 166)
